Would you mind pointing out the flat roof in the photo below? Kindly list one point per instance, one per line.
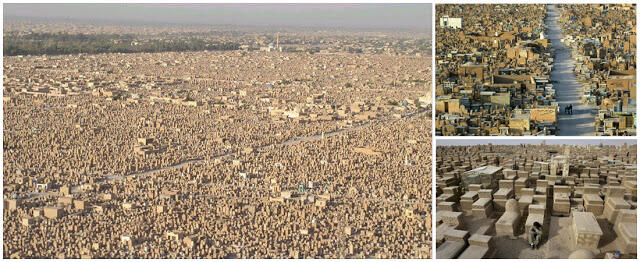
(486, 169)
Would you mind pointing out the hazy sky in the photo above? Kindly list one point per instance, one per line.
(465, 142)
(410, 16)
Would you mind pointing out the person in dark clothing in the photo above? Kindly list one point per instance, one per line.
(535, 234)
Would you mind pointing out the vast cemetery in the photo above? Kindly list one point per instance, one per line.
(249, 153)
(489, 197)
(535, 70)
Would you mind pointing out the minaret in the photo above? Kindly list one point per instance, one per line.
(278, 41)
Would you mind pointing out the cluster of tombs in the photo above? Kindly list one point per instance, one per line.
(357, 194)
(222, 154)
(489, 196)
(75, 118)
(603, 40)
(493, 71)
(494, 65)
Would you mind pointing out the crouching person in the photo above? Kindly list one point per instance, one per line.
(535, 235)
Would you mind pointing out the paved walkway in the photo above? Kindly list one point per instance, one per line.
(568, 88)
